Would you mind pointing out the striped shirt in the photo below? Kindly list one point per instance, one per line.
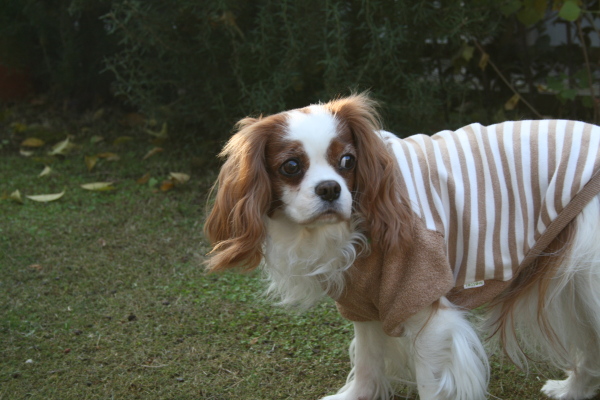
(498, 194)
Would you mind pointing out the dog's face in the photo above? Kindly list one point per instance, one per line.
(312, 165)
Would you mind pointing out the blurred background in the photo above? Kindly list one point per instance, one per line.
(205, 64)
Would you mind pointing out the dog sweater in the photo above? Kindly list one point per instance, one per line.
(487, 201)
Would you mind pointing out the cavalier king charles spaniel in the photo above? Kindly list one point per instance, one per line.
(406, 235)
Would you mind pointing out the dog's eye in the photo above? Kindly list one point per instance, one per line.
(347, 161)
(291, 167)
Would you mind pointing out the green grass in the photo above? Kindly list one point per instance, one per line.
(103, 294)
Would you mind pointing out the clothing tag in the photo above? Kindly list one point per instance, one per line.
(474, 284)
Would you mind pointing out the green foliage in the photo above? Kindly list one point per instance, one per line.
(565, 71)
(215, 63)
(432, 64)
(220, 61)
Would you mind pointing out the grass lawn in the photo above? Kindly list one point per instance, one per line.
(103, 293)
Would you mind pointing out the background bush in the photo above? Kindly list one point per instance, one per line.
(61, 43)
(433, 64)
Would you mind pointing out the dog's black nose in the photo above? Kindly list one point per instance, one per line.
(328, 190)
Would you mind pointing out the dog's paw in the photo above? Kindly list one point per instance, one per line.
(349, 395)
(344, 397)
(556, 389)
(566, 390)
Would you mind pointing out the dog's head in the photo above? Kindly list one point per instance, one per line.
(313, 167)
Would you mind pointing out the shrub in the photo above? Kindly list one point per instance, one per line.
(433, 64)
(217, 61)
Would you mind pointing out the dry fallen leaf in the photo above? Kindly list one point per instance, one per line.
(18, 127)
(144, 179)
(98, 114)
(122, 140)
(98, 186)
(162, 134)
(179, 178)
(45, 172)
(36, 267)
(32, 142)
(132, 120)
(90, 162)
(483, 61)
(45, 198)
(62, 148)
(165, 186)
(109, 156)
(512, 102)
(96, 139)
(152, 152)
(16, 196)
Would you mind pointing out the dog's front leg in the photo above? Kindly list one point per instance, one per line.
(367, 379)
(450, 362)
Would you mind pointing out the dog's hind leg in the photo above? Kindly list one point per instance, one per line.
(563, 327)
(573, 313)
(578, 385)
(573, 307)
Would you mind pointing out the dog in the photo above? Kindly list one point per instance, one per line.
(407, 235)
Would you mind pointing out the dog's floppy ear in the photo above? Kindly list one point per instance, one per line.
(235, 225)
(377, 197)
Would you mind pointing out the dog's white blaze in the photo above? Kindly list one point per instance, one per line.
(315, 130)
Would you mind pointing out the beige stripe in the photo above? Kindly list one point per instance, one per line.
(597, 163)
(411, 190)
(583, 152)
(443, 147)
(426, 177)
(466, 216)
(535, 171)
(551, 160)
(434, 179)
(522, 199)
(495, 179)
(564, 162)
(481, 202)
(511, 240)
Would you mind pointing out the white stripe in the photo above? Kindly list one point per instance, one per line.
(592, 154)
(420, 187)
(443, 196)
(551, 192)
(459, 203)
(474, 228)
(542, 169)
(572, 163)
(526, 135)
(406, 174)
(490, 206)
(504, 215)
(509, 148)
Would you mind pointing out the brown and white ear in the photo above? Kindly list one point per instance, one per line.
(235, 225)
(377, 197)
